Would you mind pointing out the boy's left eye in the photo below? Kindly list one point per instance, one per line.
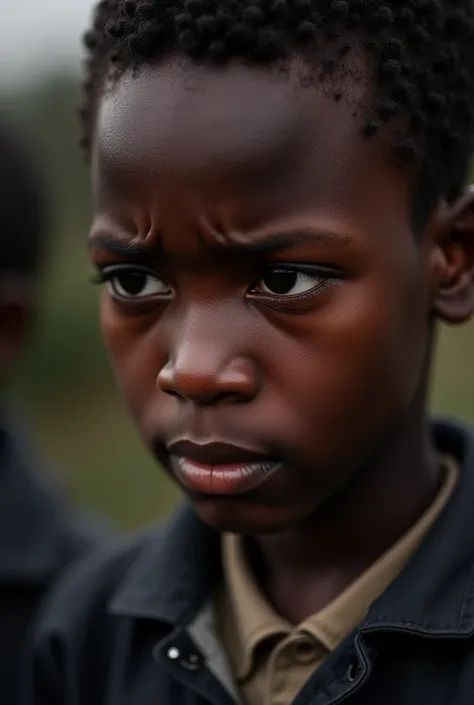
(288, 281)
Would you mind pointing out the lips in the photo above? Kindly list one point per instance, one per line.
(219, 468)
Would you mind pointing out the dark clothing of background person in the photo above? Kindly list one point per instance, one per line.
(134, 624)
(39, 536)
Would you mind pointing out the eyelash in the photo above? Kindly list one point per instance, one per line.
(109, 272)
(327, 275)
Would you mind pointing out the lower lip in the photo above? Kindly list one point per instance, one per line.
(229, 479)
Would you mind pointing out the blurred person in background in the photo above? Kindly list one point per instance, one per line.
(39, 535)
(280, 223)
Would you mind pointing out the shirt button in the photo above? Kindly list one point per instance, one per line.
(305, 651)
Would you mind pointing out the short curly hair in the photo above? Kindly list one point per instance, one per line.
(421, 56)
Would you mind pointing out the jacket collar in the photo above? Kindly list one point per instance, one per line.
(174, 573)
(434, 595)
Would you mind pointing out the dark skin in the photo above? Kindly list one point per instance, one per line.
(216, 181)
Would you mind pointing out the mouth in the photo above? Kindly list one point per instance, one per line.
(219, 469)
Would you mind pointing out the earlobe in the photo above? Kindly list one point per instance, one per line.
(454, 299)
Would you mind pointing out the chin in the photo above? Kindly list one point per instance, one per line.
(245, 518)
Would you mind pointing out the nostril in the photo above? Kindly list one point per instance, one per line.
(204, 380)
(172, 393)
(236, 399)
(203, 399)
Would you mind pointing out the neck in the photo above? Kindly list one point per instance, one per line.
(318, 559)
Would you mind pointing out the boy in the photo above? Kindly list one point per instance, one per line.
(280, 222)
(38, 538)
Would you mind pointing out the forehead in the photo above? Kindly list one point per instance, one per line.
(232, 111)
(182, 126)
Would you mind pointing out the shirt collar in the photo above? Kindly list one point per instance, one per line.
(434, 595)
(247, 619)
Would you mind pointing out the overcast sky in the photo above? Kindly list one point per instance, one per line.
(46, 33)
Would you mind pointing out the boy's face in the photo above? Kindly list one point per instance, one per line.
(274, 300)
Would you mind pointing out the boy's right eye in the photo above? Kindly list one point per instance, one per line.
(127, 283)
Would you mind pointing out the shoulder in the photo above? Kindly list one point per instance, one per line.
(92, 616)
(88, 585)
(136, 576)
(75, 636)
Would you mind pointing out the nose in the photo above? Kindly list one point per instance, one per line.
(193, 381)
(206, 369)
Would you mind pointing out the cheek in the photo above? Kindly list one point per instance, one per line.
(135, 355)
(354, 366)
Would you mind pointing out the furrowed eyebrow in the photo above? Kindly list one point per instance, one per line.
(278, 242)
(136, 251)
(237, 244)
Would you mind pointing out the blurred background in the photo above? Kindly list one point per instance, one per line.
(65, 386)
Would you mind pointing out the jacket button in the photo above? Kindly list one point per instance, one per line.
(353, 672)
(173, 653)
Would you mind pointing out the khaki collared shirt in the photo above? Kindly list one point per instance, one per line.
(272, 659)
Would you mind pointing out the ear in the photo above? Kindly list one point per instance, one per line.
(452, 260)
(16, 316)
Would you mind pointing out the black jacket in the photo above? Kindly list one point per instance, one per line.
(38, 538)
(133, 625)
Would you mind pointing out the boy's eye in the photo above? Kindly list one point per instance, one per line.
(288, 281)
(129, 283)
